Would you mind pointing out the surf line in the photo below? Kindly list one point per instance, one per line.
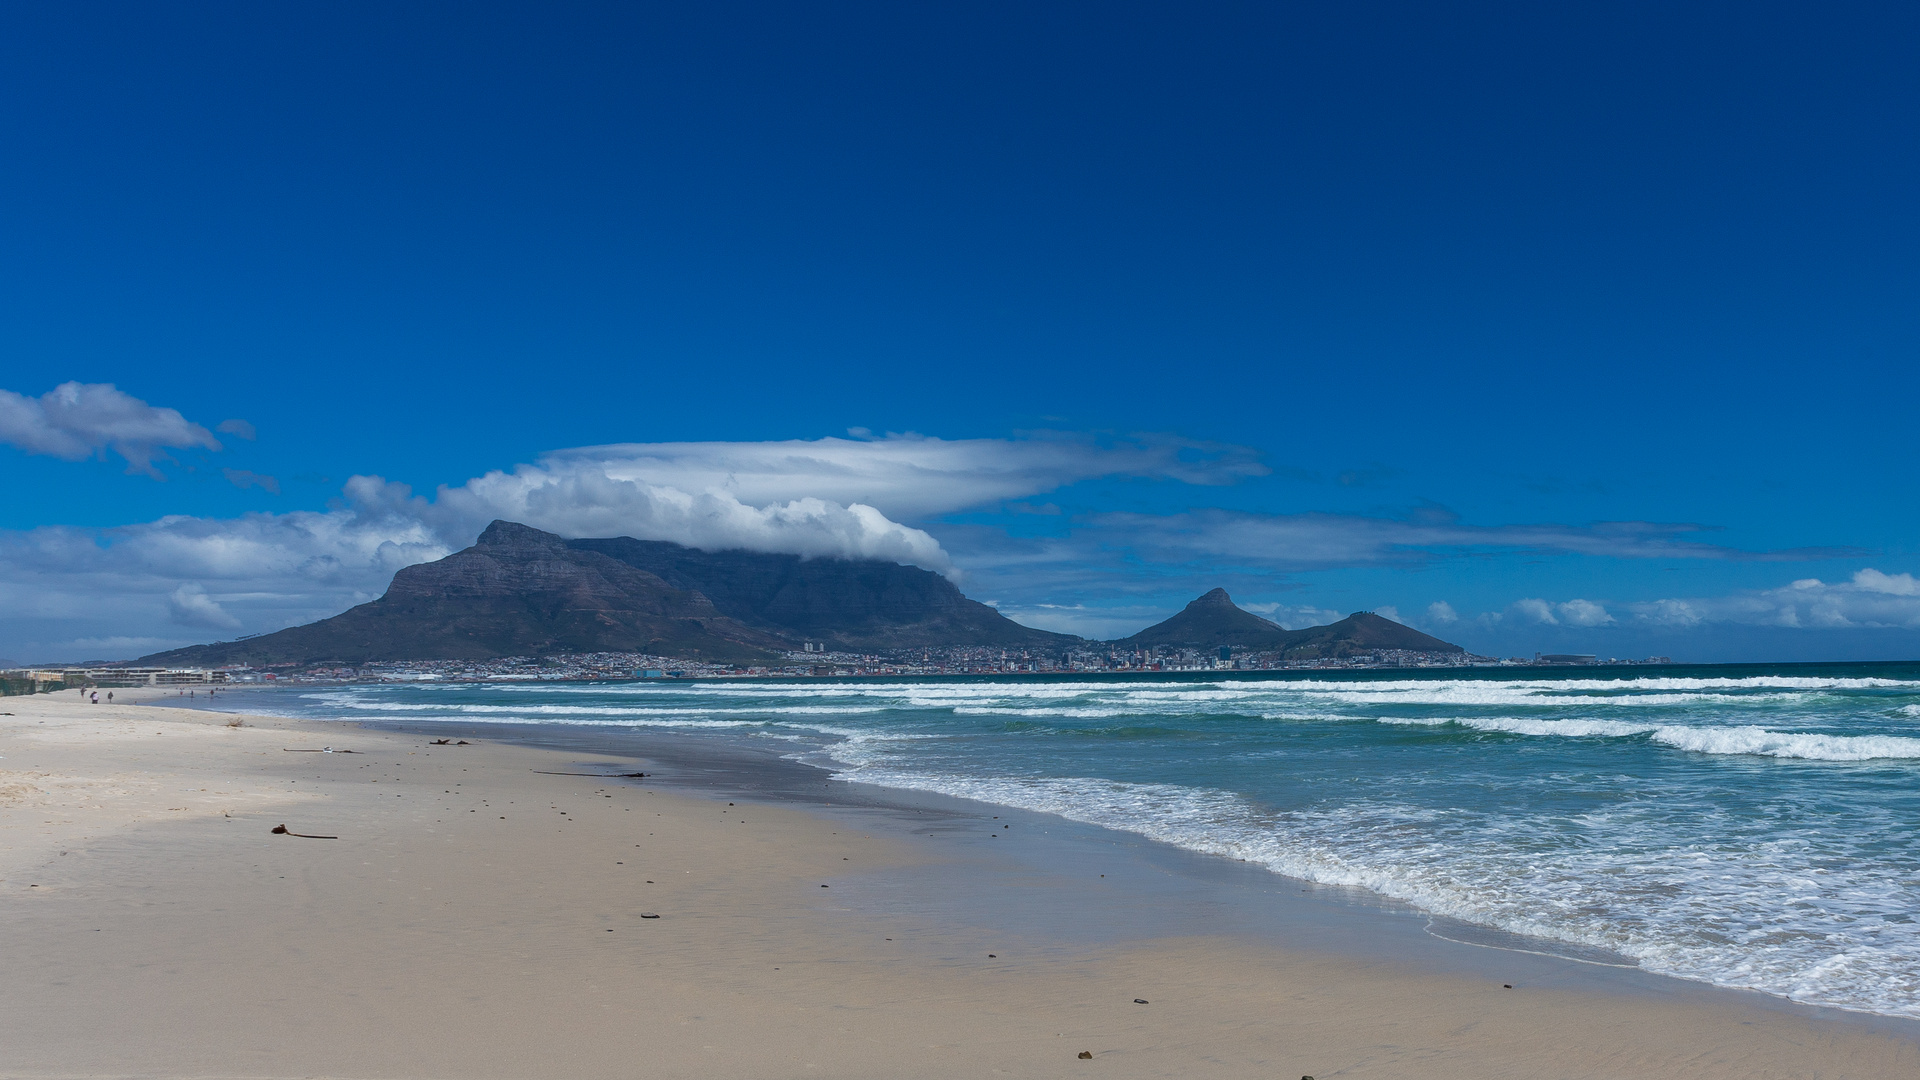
(1530, 952)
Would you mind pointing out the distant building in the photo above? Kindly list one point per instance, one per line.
(1564, 659)
(133, 676)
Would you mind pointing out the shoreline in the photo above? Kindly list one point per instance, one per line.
(1258, 903)
(747, 766)
(429, 941)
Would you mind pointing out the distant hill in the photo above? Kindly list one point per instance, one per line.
(1209, 622)
(1214, 620)
(1360, 632)
(519, 591)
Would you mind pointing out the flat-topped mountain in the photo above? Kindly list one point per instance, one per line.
(516, 592)
(845, 603)
(1214, 620)
(519, 591)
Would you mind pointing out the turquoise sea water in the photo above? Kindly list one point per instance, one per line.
(1746, 826)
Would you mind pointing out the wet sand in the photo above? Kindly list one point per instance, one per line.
(481, 915)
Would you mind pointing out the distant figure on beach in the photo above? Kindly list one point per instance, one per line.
(95, 699)
(109, 697)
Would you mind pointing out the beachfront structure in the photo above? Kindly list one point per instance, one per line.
(129, 676)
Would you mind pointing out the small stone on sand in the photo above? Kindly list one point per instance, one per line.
(1086, 1055)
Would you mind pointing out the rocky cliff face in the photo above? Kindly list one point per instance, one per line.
(516, 592)
(522, 592)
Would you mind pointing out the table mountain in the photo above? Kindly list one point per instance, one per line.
(851, 604)
(519, 591)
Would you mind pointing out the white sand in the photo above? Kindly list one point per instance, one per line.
(463, 926)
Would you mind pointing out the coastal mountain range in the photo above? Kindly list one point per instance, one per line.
(519, 591)
(1214, 620)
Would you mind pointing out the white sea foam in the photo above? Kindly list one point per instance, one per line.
(1810, 746)
(453, 708)
(1418, 855)
(1787, 744)
(1038, 711)
(1657, 855)
(1522, 725)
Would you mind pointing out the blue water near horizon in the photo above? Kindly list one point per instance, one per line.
(1746, 826)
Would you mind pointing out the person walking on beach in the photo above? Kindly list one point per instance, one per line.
(95, 699)
(109, 697)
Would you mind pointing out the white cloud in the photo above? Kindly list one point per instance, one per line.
(1442, 613)
(191, 606)
(1873, 581)
(908, 476)
(1583, 613)
(76, 420)
(1322, 541)
(1389, 612)
(578, 498)
(1535, 609)
(818, 498)
(1677, 613)
(1871, 599)
(1295, 616)
(246, 478)
(65, 590)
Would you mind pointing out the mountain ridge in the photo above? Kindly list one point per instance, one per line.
(519, 591)
(1213, 620)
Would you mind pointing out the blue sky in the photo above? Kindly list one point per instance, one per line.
(1595, 324)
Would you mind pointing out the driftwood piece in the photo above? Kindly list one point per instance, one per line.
(283, 830)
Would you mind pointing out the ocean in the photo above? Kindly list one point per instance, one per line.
(1744, 826)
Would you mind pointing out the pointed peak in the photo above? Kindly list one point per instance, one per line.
(514, 534)
(1217, 596)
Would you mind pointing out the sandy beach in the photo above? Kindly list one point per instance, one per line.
(483, 911)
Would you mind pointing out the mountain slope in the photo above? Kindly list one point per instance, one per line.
(516, 592)
(1362, 631)
(848, 604)
(1214, 620)
(1208, 622)
(522, 592)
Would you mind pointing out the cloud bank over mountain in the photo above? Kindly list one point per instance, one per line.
(972, 509)
(179, 576)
